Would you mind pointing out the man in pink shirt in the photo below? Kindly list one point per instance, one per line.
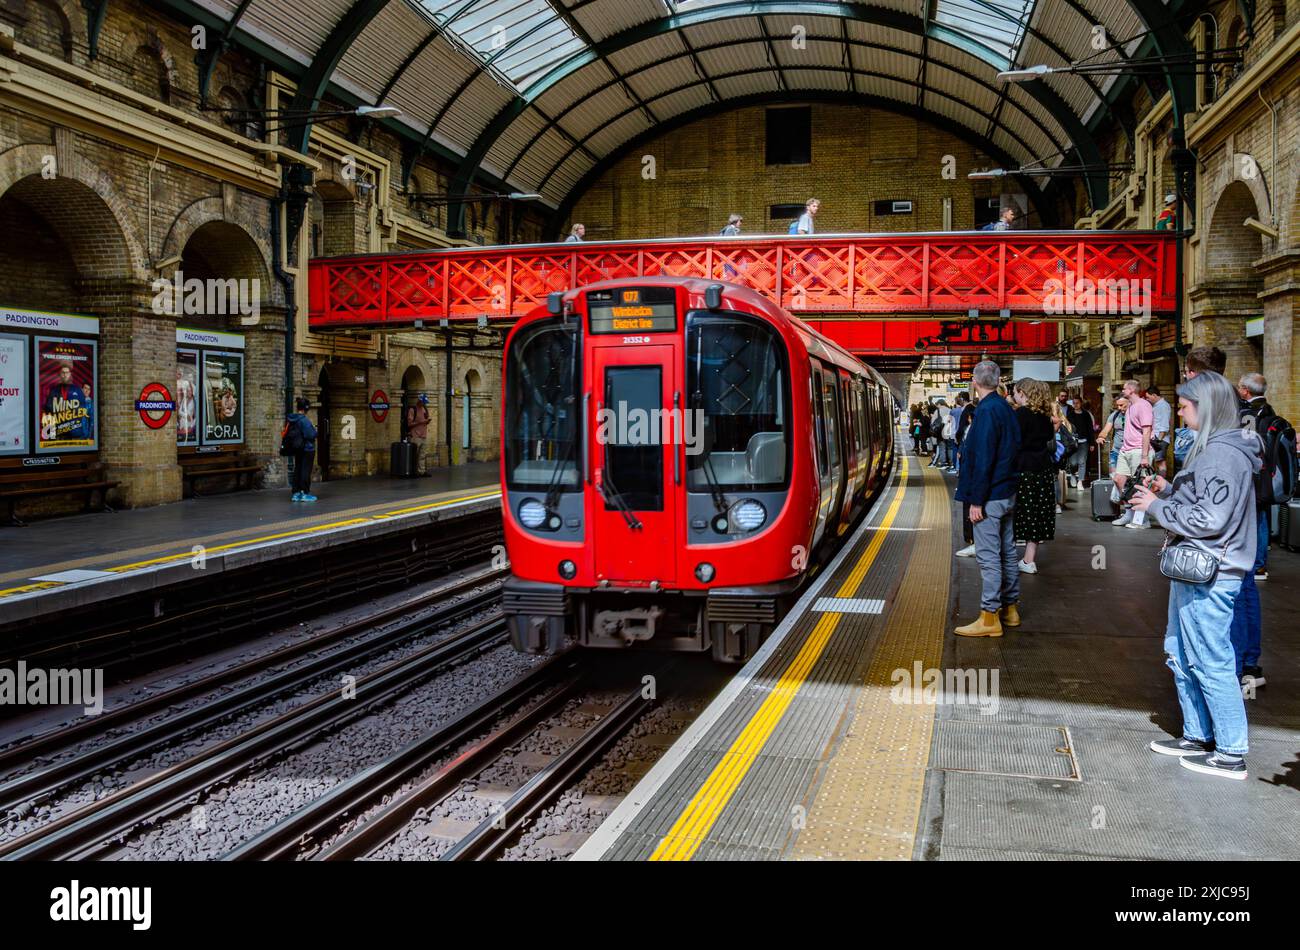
(1135, 450)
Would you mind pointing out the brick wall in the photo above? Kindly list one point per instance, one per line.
(707, 170)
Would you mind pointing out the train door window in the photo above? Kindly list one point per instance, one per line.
(831, 412)
(850, 424)
(819, 418)
(634, 454)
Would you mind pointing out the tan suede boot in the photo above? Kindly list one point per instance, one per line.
(986, 625)
(1010, 615)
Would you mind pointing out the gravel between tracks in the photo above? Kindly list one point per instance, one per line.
(102, 784)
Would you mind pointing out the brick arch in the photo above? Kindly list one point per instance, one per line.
(1231, 249)
(416, 360)
(84, 197)
(206, 211)
(149, 40)
(72, 20)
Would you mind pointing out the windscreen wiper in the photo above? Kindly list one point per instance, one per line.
(615, 498)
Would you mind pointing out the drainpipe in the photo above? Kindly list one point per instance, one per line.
(451, 390)
(292, 198)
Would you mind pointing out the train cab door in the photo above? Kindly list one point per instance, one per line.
(636, 463)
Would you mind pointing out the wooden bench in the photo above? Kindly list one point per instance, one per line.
(196, 466)
(71, 476)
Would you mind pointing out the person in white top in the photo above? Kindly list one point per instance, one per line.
(1163, 416)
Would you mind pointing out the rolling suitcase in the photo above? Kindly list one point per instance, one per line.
(1103, 509)
(1288, 524)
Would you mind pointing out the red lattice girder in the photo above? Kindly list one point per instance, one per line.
(478, 286)
(920, 275)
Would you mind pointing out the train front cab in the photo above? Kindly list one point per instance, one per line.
(649, 468)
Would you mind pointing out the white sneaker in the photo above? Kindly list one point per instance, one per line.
(1136, 524)
(1026, 568)
(1123, 521)
(1059, 510)
(968, 551)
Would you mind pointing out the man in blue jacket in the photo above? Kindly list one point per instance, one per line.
(987, 482)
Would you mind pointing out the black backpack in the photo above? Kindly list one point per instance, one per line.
(1069, 442)
(291, 440)
(1276, 482)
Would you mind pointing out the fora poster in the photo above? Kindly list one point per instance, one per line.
(65, 394)
(223, 397)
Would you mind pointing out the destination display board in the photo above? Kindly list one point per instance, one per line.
(633, 310)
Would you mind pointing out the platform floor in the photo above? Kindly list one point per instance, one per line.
(58, 551)
(820, 750)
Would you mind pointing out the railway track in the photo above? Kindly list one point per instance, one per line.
(550, 687)
(41, 783)
(92, 830)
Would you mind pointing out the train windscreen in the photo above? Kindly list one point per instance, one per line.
(738, 382)
(543, 417)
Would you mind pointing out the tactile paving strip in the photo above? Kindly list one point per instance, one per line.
(869, 802)
(741, 787)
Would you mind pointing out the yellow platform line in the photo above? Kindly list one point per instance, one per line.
(249, 542)
(705, 808)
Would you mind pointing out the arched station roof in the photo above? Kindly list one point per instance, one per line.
(540, 95)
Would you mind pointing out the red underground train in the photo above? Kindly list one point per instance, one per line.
(678, 457)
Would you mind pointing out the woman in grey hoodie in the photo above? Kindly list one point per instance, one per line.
(1209, 506)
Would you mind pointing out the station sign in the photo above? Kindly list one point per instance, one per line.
(49, 322)
(186, 336)
(379, 405)
(155, 405)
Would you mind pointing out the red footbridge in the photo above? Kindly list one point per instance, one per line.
(875, 294)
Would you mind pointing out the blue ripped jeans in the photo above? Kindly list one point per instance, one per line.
(1198, 648)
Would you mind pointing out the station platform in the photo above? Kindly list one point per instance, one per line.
(65, 562)
(827, 745)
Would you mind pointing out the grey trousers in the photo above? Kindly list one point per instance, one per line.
(995, 549)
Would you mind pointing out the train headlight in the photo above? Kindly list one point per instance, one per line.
(568, 570)
(748, 515)
(532, 513)
(704, 571)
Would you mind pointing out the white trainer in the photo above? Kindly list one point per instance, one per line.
(1027, 568)
(968, 551)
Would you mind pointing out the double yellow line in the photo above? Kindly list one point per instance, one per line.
(249, 542)
(699, 816)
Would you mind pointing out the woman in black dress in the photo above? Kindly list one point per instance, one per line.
(1035, 518)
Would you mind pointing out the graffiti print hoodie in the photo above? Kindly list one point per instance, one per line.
(1211, 502)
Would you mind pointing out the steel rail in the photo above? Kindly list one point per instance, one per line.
(86, 831)
(315, 822)
(64, 736)
(40, 784)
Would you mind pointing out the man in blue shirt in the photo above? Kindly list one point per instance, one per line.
(304, 457)
(987, 482)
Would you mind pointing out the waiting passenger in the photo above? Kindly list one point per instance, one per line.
(1247, 624)
(1135, 450)
(1203, 358)
(299, 437)
(1035, 518)
(1085, 430)
(577, 234)
(1113, 432)
(1209, 513)
(733, 226)
(988, 484)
